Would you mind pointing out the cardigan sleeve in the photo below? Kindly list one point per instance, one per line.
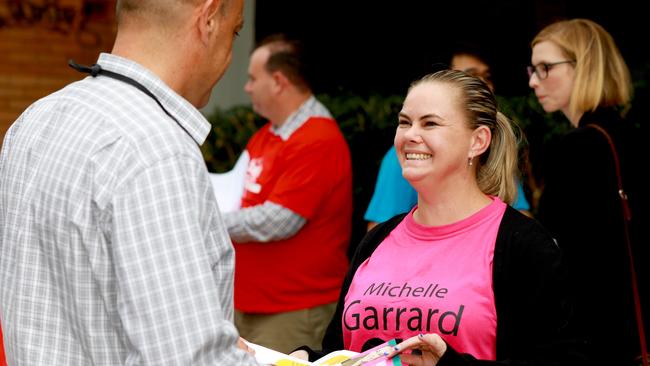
(532, 300)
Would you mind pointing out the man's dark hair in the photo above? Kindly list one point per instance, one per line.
(287, 56)
(471, 49)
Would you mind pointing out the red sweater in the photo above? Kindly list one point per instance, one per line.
(3, 362)
(311, 175)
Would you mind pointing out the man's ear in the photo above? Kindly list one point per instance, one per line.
(281, 82)
(208, 18)
(481, 138)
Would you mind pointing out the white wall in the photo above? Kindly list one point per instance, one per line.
(229, 91)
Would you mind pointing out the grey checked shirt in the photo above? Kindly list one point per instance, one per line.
(112, 248)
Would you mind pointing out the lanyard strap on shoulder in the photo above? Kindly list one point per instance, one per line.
(96, 69)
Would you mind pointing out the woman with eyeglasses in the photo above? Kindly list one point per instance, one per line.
(578, 70)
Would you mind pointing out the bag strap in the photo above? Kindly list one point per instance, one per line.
(627, 216)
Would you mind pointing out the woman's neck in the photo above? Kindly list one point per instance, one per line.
(574, 118)
(443, 209)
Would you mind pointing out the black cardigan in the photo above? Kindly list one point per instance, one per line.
(529, 291)
(580, 206)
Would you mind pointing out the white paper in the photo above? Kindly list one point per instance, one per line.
(267, 356)
(229, 186)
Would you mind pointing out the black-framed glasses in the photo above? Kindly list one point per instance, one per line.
(541, 69)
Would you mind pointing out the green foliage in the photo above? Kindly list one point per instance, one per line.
(639, 113)
(368, 124)
(230, 132)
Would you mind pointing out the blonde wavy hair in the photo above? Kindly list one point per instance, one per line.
(602, 78)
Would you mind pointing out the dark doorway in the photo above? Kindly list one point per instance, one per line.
(372, 47)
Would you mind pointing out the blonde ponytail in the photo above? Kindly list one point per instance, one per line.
(497, 174)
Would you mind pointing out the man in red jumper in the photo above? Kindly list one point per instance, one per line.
(292, 232)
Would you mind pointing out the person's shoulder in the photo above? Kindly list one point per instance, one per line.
(579, 137)
(388, 225)
(520, 224)
(578, 146)
(259, 138)
(68, 96)
(113, 108)
(112, 101)
(607, 119)
(524, 232)
(376, 235)
(263, 131)
(319, 130)
(390, 155)
(390, 161)
(76, 104)
(323, 126)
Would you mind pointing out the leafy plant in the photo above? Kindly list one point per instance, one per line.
(230, 132)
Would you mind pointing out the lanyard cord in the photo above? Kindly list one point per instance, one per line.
(96, 69)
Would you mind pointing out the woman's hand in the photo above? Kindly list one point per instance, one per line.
(430, 346)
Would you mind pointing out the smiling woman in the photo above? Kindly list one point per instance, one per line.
(462, 265)
(431, 125)
(464, 152)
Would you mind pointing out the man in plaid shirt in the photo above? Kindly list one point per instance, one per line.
(112, 248)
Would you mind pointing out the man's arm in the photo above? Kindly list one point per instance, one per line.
(174, 267)
(263, 223)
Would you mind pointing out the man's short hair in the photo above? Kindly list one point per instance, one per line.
(157, 10)
(287, 56)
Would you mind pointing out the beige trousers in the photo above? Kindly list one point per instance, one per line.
(285, 332)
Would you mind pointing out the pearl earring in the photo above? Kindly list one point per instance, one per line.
(469, 161)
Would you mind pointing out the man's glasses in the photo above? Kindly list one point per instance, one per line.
(541, 69)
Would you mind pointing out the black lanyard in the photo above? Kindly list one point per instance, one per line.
(96, 69)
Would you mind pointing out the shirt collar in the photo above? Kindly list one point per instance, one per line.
(187, 115)
(310, 108)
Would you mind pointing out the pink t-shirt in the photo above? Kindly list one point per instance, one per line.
(429, 280)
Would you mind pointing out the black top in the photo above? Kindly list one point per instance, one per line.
(580, 206)
(529, 291)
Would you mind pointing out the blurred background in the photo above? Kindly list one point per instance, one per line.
(363, 55)
(357, 47)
